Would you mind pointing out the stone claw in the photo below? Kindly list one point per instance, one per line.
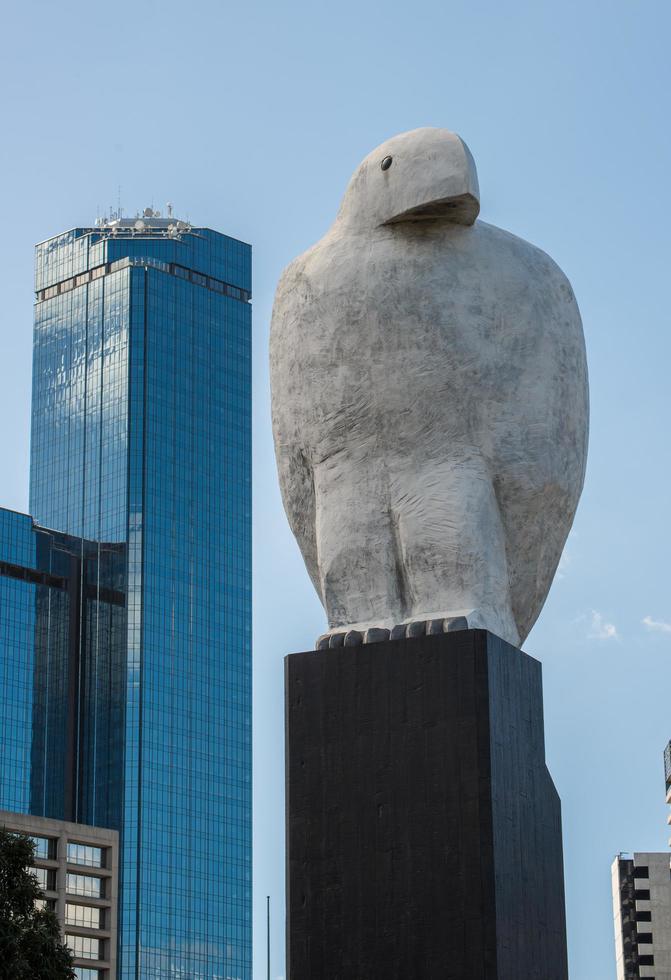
(376, 634)
(457, 623)
(402, 631)
(417, 628)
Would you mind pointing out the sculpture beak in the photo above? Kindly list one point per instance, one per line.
(461, 210)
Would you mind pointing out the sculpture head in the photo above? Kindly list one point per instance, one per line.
(422, 175)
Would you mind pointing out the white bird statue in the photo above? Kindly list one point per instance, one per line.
(430, 405)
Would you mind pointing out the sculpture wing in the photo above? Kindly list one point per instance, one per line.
(541, 477)
(290, 318)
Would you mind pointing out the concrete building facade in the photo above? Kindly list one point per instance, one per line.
(642, 916)
(77, 869)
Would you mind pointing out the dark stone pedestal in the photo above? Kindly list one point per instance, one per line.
(423, 828)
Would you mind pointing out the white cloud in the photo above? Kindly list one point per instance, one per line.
(600, 629)
(656, 625)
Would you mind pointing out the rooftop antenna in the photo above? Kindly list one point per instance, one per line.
(118, 201)
(169, 208)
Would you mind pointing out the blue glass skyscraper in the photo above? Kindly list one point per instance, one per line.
(141, 440)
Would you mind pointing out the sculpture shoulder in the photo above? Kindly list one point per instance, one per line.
(295, 271)
(306, 286)
(526, 266)
(307, 269)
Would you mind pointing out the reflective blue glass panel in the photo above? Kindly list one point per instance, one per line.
(62, 635)
(141, 439)
(17, 659)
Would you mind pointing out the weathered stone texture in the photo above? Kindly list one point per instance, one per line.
(430, 404)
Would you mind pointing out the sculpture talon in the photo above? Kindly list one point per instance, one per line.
(417, 628)
(456, 623)
(376, 635)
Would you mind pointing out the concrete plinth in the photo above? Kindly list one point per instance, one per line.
(423, 828)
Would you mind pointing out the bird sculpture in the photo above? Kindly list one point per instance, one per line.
(429, 405)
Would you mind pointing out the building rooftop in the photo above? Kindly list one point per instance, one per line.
(149, 222)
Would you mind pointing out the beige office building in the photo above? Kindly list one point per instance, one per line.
(641, 884)
(77, 868)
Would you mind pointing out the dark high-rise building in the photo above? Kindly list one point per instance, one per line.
(141, 460)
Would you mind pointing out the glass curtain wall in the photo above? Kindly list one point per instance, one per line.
(141, 438)
(17, 658)
(62, 630)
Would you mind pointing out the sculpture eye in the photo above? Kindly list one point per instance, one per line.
(386, 163)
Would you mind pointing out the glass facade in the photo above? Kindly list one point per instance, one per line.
(84, 854)
(141, 439)
(85, 947)
(44, 848)
(17, 658)
(84, 915)
(62, 614)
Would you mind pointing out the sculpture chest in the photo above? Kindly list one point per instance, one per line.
(411, 337)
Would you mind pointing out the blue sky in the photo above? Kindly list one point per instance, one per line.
(250, 118)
